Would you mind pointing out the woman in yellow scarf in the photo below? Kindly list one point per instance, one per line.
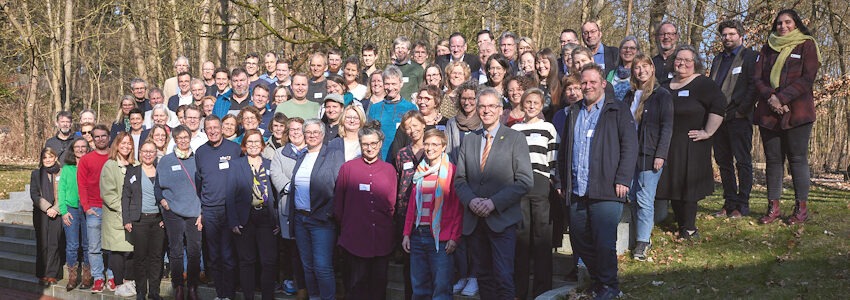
(784, 77)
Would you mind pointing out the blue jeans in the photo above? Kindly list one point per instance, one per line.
(95, 252)
(76, 237)
(593, 234)
(222, 256)
(430, 266)
(642, 193)
(316, 240)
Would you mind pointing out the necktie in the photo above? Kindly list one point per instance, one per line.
(486, 152)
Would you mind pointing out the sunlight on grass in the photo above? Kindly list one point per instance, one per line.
(743, 259)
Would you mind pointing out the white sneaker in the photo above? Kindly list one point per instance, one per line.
(459, 285)
(128, 289)
(471, 288)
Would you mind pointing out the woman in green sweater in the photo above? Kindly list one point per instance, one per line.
(73, 218)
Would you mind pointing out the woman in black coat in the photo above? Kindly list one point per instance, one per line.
(252, 216)
(142, 220)
(46, 218)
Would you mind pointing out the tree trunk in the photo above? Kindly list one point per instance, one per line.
(224, 18)
(536, 29)
(25, 31)
(204, 42)
(697, 24)
(66, 51)
(629, 18)
(56, 83)
(138, 56)
(656, 15)
(178, 36)
(273, 23)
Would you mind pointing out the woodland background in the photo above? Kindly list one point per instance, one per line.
(69, 55)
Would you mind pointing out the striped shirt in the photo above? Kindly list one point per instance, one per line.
(543, 143)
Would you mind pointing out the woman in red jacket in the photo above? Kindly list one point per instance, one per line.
(784, 76)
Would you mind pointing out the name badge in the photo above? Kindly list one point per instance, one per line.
(535, 135)
(176, 168)
(317, 95)
(223, 164)
(669, 75)
(133, 179)
(795, 55)
(736, 70)
(405, 79)
(365, 187)
(407, 165)
(684, 93)
(590, 133)
(397, 125)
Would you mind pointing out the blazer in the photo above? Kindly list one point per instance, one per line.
(505, 179)
(131, 195)
(282, 165)
(655, 128)
(614, 154)
(240, 192)
(795, 87)
(612, 58)
(322, 182)
(470, 59)
(742, 97)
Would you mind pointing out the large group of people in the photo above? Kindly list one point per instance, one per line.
(465, 168)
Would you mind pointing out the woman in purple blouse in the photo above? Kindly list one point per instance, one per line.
(364, 201)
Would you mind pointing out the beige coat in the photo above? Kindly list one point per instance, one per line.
(114, 237)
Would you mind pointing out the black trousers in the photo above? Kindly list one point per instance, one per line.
(258, 242)
(50, 245)
(179, 228)
(121, 264)
(290, 262)
(496, 251)
(367, 277)
(685, 213)
(733, 145)
(534, 241)
(148, 254)
(792, 144)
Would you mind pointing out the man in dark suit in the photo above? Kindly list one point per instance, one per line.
(732, 70)
(493, 173)
(457, 46)
(597, 162)
(667, 38)
(605, 56)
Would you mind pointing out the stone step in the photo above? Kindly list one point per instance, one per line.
(17, 245)
(22, 281)
(19, 218)
(204, 292)
(17, 262)
(562, 265)
(17, 231)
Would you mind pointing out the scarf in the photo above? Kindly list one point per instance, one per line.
(465, 123)
(260, 186)
(784, 45)
(442, 170)
(182, 155)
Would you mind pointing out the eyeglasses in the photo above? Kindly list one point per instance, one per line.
(629, 48)
(148, 152)
(101, 136)
(684, 60)
(313, 132)
(192, 118)
(371, 145)
(589, 32)
(182, 138)
(667, 34)
(354, 118)
(489, 107)
(253, 142)
(86, 132)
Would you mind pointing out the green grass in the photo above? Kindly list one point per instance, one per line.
(742, 259)
(13, 178)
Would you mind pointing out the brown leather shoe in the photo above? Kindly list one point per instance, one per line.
(73, 278)
(735, 214)
(773, 212)
(721, 214)
(801, 214)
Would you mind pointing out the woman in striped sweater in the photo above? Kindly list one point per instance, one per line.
(542, 142)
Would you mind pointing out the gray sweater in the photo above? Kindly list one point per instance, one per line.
(175, 183)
